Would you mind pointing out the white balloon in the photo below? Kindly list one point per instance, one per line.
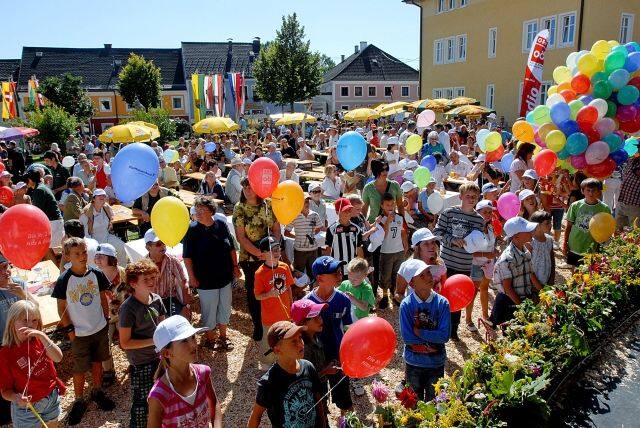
(600, 105)
(435, 203)
(554, 99)
(571, 59)
(68, 161)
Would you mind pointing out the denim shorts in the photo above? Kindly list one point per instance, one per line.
(557, 214)
(48, 408)
(477, 274)
(215, 306)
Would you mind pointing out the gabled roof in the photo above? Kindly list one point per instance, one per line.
(9, 69)
(211, 58)
(371, 64)
(96, 65)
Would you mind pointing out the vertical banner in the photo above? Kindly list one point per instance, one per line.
(9, 108)
(533, 73)
(239, 80)
(220, 94)
(35, 98)
(232, 95)
(208, 90)
(196, 99)
(203, 96)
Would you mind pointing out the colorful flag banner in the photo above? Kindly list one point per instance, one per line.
(35, 98)
(218, 95)
(202, 97)
(232, 94)
(533, 73)
(196, 98)
(9, 105)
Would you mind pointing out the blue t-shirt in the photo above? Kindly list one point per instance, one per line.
(335, 318)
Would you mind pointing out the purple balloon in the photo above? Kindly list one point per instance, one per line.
(619, 156)
(508, 205)
(626, 113)
(579, 161)
(630, 47)
(596, 153)
(586, 99)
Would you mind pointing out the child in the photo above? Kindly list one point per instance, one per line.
(577, 239)
(183, 393)
(425, 323)
(138, 316)
(337, 316)
(344, 238)
(427, 216)
(529, 203)
(272, 287)
(555, 191)
(358, 289)
(454, 224)
(81, 291)
(303, 230)
(27, 372)
(394, 247)
(542, 256)
(530, 179)
(490, 192)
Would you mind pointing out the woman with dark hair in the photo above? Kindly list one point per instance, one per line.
(253, 220)
(520, 164)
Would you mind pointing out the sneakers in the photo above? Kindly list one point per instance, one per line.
(78, 409)
(472, 327)
(104, 403)
(384, 302)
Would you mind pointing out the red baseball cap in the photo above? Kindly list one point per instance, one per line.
(304, 309)
(342, 204)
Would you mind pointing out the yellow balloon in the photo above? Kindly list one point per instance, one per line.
(552, 90)
(170, 220)
(493, 141)
(613, 43)
(588, 64)
(556, 140)
(523, 131)
(601, 227)
(545, 129)
(413, 144)
(287, 201)
(601, 49)
(561, 74)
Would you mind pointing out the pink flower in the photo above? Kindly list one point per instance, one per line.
(379, 391)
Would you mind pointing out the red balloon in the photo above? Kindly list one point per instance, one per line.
(592, 134)
(495, 155)
(367, 347)
(26, 235)
(545, 162)
(631, 126)
(634, 82)
(601, 170)
(264, 176)
(588, 114)
(6, 195)
(568, 95)
(459, 291)
(580, 83)
(2, 167)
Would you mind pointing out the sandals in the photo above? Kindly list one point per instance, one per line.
(223, 344)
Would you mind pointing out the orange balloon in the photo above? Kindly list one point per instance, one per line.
(495, 155)
(523, 131)
(564, 86)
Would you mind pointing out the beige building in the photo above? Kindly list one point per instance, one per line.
(479, 48)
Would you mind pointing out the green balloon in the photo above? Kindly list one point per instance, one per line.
(628, 95)
(541, 115)
(421, 176)
(602, 90)
(612, 109)
(574, 106)
(614, 60)
(600, 76)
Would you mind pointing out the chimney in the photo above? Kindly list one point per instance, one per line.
(363, 45)
(355, 49)
(341, 58)
(255, 45)
(107, 48)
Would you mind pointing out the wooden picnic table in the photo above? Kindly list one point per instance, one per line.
(44, 274)
(189, 198)
(314, 174)
(199, 176)
(122, 214)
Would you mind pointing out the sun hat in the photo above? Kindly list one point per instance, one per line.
(173, 329)
(407, 186)
(423, 234)
(516, 225)
(485, 203)
(531, 173)
(408, 175)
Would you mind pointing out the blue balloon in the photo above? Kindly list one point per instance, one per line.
(133, 171)
(631, 146)
(351, 151)
(560, 112)
(563, 154)
(530, 118)
(429, 162)
(576, 143)
(569, 127)
(614, 141)
(506, 135)
(505, 162)
(586, 99)
(210, 147)
(619, 78)
(632, 63)
(619, 156)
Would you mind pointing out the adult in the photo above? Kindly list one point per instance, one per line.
(520, 164)
(373, 191)
(210, 259)
(75, 201)
(59, 173)
(411, 127)
(42, 197)
(431, 143)
(144, 204)
(233, 186)
(211, 186)
(15, 159)
(274, 155)
(97, 219)
(167, 175)
(289, 172)
(253, 220)
(304, 151)
(443, 138)
(458, 168)
(628, 208)
(103, 171)
(71, 146)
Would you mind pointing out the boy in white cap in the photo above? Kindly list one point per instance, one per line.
(316, 203)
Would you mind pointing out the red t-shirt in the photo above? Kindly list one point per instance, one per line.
(496, 220)
(274, 309)
(101, 179)
(14, 370)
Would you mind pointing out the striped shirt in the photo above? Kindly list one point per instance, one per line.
(454, 224)
(303, 226)
(344, 240)
(515, 265)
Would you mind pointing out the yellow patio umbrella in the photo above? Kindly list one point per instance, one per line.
(215, 125)
(380, 107)
(418, 105)
(462, 101)
(392, 109)
(361, 114)
(126, 133)
(438, 104)
(153, 128)
(469, 110)
(295, 118)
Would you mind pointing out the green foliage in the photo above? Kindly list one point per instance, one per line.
(66, 91)
(140, 81)
(160, 118)
(54, 123)
(286, 70)
(326, 63)
(183, 128)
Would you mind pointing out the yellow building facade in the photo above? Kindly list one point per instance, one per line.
(479, 48)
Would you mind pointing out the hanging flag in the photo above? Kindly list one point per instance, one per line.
(239, 82)
(203, 96)
(9, 110)
(35, 98)
(208, 89)
(232, 94)
(196, 99)
(533, 73)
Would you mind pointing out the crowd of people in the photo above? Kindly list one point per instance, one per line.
(384, 250)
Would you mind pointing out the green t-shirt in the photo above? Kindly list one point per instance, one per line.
(371, 196)
(362, 292)
(580, 212)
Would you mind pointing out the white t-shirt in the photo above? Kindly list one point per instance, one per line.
(330, 188)
(517, 165)
(393, 238)
(392, 159)
(294, 176)
(100, 226)
(462, 169)
(403, 137)
(439, 174)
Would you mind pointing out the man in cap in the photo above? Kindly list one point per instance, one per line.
(274, 155)
(233, 187)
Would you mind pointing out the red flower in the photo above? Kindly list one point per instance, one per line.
(408, 398)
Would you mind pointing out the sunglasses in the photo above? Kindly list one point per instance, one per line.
(316, 191)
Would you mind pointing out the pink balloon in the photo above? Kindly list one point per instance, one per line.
(596, 153)
(508, 205)
(539, 141)
(578, 161)
(605, 126)
(425, 119)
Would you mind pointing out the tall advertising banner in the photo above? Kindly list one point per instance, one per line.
(533, 73)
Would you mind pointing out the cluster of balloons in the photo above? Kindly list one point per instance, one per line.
(596, 100)
(490, 143)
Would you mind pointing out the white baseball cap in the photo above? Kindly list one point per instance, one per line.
(517, 225)
(150, 236)
(99, 192)
(485, 203)
(411, 268)
(236, 161)
(392, 140)
(173, 329)
(531, 173)
(403, 164)
(106, 250)
(19, 185)
(421, 235)
(524, 194)
(246, 161)
(407, 176)
(412, 164)
(313, 186)
(408, 186)
(375, 239)
(481, 158)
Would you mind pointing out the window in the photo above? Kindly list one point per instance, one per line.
(438, 52)
(106, 125)
(437, 93)
(493, 42)
(464, 3)
(452, 4)
(544, 87)
(458, 92)
(357, 91)
(127, 106)
(105, 104)
(388, 91)
(448, 93)
(549, 23)
(451, 50)
(567, 29)
(491, 96)
(529, 31)
(372, 91)
(404, 91)
(442, 6)
(256, 97)
(626, 27)
(344, 91)
(461, 42)
(344, 108)
(177, 102)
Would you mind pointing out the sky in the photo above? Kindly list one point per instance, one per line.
(332, 26)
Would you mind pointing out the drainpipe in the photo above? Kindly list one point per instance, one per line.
(580, 26)
(419, 4)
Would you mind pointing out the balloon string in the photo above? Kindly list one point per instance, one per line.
(266, 213)
(37, 415)
(325, 395)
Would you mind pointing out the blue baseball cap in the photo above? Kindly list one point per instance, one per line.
(325, 264)
(489, 187)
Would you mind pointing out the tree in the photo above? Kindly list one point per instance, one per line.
(66, 91)
(326, 63)
(54, 123)
(286, 70)
(140, 81)
(160, 118)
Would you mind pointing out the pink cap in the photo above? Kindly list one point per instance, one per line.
(304, 309)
